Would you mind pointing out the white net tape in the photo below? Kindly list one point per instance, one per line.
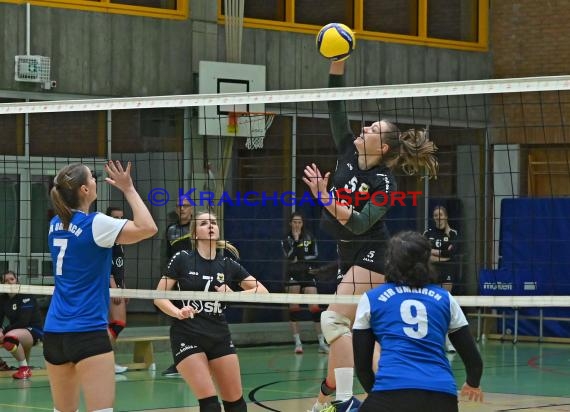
(287, 298)
(469, 87)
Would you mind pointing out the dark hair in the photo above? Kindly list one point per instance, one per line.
(298, 214)
(9, 272)
(407, 260)
(65, 191)
(112, 209)
(442, 208)
(411, 150)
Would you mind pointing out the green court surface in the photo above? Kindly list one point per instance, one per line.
(522, 377)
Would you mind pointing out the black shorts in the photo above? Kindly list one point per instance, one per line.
(61, 348)
(409, 400)
(119, 281)
(305, 280)
(446, 272)
(185, 344)
(366, 254)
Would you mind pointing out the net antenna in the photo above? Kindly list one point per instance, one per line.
(234, 10)
(257, 122)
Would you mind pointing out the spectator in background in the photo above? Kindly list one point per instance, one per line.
(118, 307)
(24, 329)
(301, 251)
(444, 248)
(443, 240)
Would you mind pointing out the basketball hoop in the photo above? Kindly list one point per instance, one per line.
(257, 122)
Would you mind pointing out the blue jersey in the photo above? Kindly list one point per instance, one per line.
(81, 257)
(411, 325)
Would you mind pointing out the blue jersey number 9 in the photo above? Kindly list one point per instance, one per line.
(414, 313)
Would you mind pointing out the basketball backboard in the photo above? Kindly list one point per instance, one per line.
(220, 77)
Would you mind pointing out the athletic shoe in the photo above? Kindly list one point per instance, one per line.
(323, 348)
(171, 371)
(319, 407)
(120, 369)
(24, 372)
(298, 349)
(351, 405)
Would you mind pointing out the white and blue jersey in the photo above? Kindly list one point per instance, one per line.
(81, 257)
(411, 325)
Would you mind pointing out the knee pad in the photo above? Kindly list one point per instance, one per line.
(295, 315)
(210, 404)
(315, 313)
(116, 327)
(334, 325)
(235, 406)
(11, 343)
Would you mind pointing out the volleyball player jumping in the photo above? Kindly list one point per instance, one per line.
(364, 164)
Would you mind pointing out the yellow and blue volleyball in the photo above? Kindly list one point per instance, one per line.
(336, 41)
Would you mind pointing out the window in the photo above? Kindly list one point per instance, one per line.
(452, 20)
(10, 216)
(457, 24)
(388, 16)
(168, 9)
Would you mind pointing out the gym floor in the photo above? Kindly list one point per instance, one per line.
(522, 377)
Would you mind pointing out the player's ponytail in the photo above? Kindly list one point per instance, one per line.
(412, 150)
(65, 191)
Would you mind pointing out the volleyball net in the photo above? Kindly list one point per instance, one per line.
(504, 179)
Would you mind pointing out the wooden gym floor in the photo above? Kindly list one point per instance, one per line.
(523, 377)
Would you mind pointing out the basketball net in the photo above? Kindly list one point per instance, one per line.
(258, 124)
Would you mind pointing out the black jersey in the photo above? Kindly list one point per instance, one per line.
(22, 312)
(194, 273)
(117, 265)
(366, 221)
(177, 239)
(446, 243)
(299, 253)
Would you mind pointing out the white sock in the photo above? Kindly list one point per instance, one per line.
(321, 339)
(23, 363)
(344, 379)
(297, 338)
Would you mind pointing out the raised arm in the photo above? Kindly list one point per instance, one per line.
(142, 226)
(340, 126)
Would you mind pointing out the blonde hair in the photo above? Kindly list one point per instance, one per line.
(220, 244)
(412, 150)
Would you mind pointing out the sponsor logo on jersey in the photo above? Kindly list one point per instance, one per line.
(192, 273)
(25, 300)
(363, 187)
(207, 307)
(350, 167)
(220, 277)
